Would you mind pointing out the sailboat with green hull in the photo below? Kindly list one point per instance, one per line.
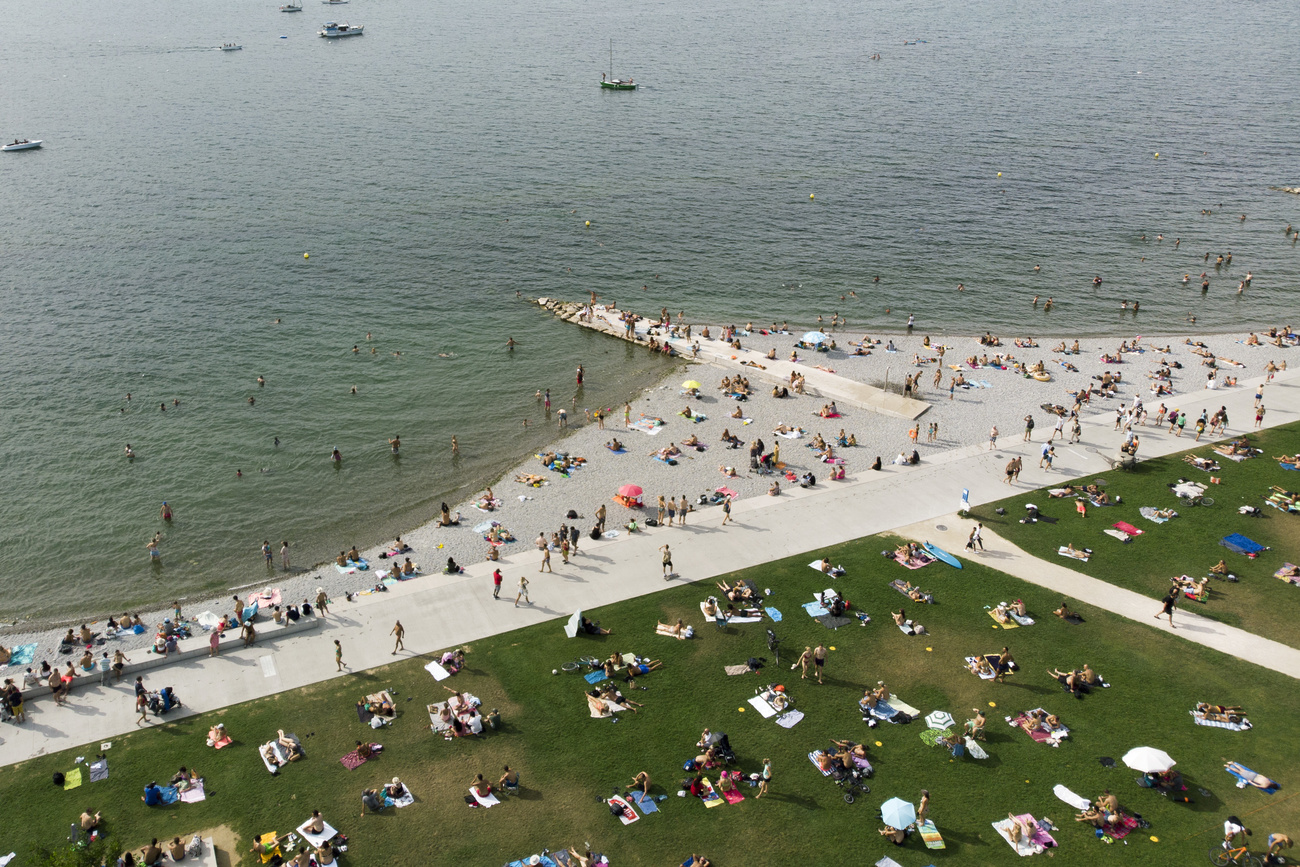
(609, 82)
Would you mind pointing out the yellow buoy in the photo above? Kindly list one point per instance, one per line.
(589, 222)
(811, 196)
(1157, 154)
(306, 255)
(999, 174)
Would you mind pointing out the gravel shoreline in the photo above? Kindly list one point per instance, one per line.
(963, 420)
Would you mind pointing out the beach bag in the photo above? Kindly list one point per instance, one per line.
(58, 779)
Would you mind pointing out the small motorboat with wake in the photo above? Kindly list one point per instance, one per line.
(230, 46)
(291, 7)
(24, 145)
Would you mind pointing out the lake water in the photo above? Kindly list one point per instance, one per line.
(451, 157)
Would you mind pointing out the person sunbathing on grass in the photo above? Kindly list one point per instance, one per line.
(893, 835)
(639, 668)
(868, 701)
(850, 750)
(1219, 713)
(1067, 491)
(981, 666)
(612, 693)
(1001, 614)
(1068, 679)
(915, 593)
(1090, 815)
(678, 627)
(481, 787)
(1065, 613)
(1020, 829)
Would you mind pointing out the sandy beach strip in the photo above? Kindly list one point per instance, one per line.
(964, 420)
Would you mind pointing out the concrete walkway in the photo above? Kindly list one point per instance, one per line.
(1005, 557)
(442, 611)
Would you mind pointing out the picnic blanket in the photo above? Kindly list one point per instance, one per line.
(99, 770)
(1076, 555)
(1034, 845)
(1284, 574)
(327, 833)
(1242, 726)
(353, 760)
(1052, 737)
(1151, 514)
(194, 793)
(1078, 802)
(733, 670)
(1242, 545)
(1121, 829)
(644, 801)
(489, 801)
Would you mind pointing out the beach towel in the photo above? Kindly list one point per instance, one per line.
(1012, 625)
(887, 862)
(1150, 513)
(733, 670)
(406, 800)
(1076, 555)
(72, 779)
(224, 742)
(170, 794)
(607, 708)
(726, 492)
(812, 757)
(1242, 726)
(883, 710)
(642, 800)
(646, 427)
(761, 705)
(1052, 738)
(1243, 782)
(23, 654)
(1242, 545)
(438, 672)
(595, 677)
(489, 801)
(815, 609)
(711, 798)
(665, 630)
(265, 599)
(194, 793)
(931, 737)
(975, 750)
(901, 586)
(1118, 534)
(930, 835)
(774, 614)
(1121, 829)
(352, 761)
(1034, 845)
(1127, 528)
(790, 435)
(740, 617)
(1283, 573)
(1076, 801)
(788, 719)
(1284, 465)
(316, 840)
(830, 621)
(971, 660)
(899, 705)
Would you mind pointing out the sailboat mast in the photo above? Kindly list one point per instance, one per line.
(611, 59)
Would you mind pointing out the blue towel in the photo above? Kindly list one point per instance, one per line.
(815, 609)
(1241, 544)
(1287, 466)
(595, 677)
(774, 614)
(1270, 790)
(23, 654)
(170, 794)
(644, 801)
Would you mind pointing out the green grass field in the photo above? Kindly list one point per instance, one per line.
(569, 761)
(1186, 545)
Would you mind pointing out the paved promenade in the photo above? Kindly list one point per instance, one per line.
(441, 611)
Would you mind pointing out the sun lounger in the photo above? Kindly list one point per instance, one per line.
(316, 840)
(489, 801)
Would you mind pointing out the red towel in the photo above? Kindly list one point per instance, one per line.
(1128, 528)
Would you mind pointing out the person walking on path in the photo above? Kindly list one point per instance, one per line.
(142, 705)
(1259, 398)
(681, 513)
(1168, 605)
(400, 631)
(764, 778)
(726, 511)
(338, 655)
(819, 660)
(1049, 455)
(1058, 429)
(668, 561)
(573, 539)
(284, 555)
(564, 545)
(1259, 416)
(546, 559)
(496, 583)
(1029, 428)
(802, 663)
(993, 437)
(523, 591)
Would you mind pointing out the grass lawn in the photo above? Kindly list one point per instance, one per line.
(568, 761)
(1186, 545)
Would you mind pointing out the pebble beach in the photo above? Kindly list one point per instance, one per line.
(1001, 397)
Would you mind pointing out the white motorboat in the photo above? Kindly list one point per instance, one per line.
(337, 31)
(291, 7)
(24, 145)
(334, 2)
(230, 46)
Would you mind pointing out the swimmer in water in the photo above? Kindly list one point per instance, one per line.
(162, 407)
(261, 380)
(129, 452)
(373, 350)
(277, 442)
(165, 511)
(276, 322)
(354, 389)
(510, 344)
(367, 336)
(1038, 267)
(239, 474)
(395, 442)
(336, 457)
(355, 348)
(251, 400)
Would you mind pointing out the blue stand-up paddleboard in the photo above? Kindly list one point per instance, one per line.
(940, 554)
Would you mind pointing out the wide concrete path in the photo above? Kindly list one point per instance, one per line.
(441, 611)
(1005, 557)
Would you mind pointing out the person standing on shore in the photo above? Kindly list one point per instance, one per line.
(573, 539)
(579, 376)
(284, 555)
(266, 552)
(627, 418)
(1029, 428)
(681, 513)
(993, 437)
(400, 631)
(322, 601)
(600, 517)
(667, 561)
(523, 591)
